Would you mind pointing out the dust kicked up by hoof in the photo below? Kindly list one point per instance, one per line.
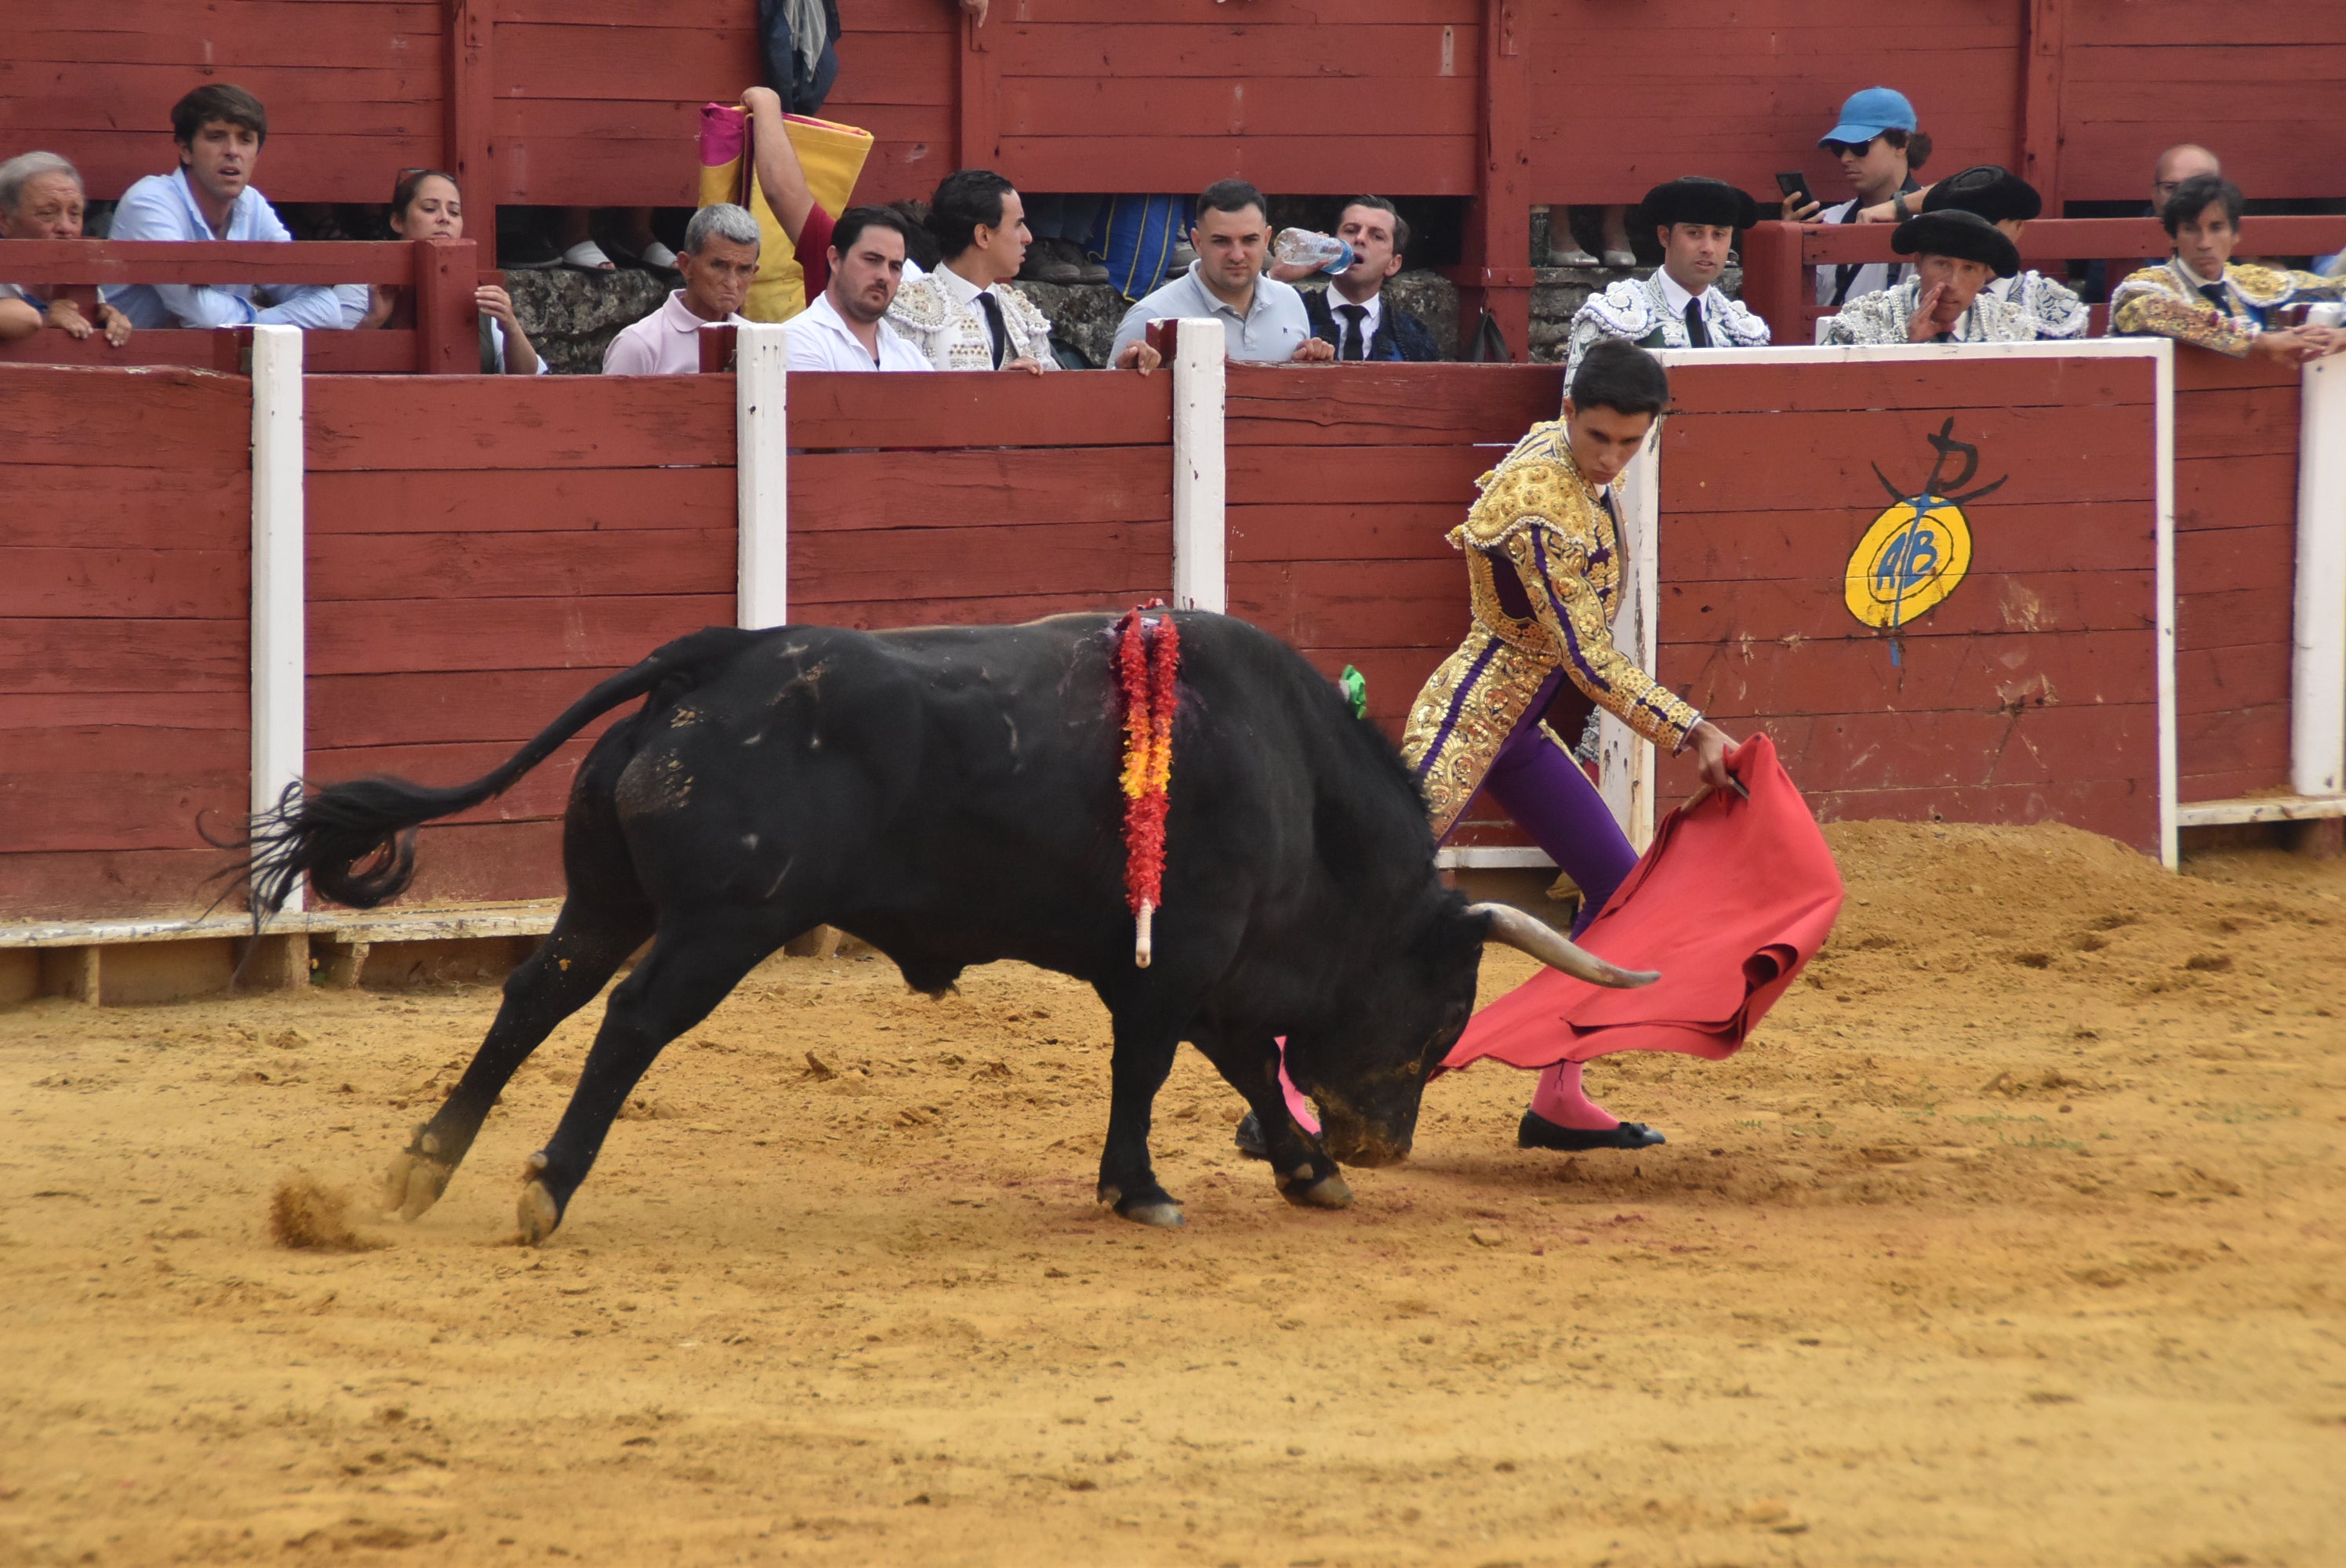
(308, 1216)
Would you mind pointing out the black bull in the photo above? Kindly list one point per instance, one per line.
(950, 796)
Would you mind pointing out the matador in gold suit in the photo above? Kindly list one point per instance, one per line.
(1544, 576)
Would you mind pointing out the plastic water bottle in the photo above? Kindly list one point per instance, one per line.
(1321, 252)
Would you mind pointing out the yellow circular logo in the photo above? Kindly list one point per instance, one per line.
(1914, 556)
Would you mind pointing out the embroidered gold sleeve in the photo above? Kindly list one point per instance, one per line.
(2147, 305)
(1554, 565)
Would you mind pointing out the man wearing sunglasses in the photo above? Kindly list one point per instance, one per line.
(1878, 146)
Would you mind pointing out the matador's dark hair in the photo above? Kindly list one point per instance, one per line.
(1616, 374)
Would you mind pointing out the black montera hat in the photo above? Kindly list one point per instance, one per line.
(1995, 194)
(1965, 236)
(1694, 200)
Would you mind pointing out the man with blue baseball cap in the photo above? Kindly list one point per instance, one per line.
(1879, 144)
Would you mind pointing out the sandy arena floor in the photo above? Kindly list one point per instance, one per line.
(2014, 1238)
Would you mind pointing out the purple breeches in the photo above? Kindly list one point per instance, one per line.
(1536, 782)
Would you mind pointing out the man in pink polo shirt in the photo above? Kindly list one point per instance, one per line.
(719, 261)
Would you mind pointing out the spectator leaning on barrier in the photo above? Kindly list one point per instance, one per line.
(1263, 319)
(41, 198)
(1352, 314)
(846, 329)
(426, 205)
(2200, 295)
(1879, 148)
(1679, 307)
(219, 130)
(2008, 202)
(962, 317)
(1945, 302)
(719, 262)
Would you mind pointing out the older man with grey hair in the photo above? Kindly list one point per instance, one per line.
(719, 261)
(41, 198)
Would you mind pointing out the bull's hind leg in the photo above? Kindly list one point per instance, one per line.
(585, 948)
(694, 963)
(1248, 1062)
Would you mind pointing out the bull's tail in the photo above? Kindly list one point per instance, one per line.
(356, 841)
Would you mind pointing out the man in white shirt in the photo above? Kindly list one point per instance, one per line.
(219, 130)
(845, 328)
(1678, 307)
(1263, 319)
(719, 262)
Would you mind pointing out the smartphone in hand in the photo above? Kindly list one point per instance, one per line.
(1796, 184)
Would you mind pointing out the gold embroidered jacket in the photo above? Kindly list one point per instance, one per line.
(2166, 301)
(1543, 578)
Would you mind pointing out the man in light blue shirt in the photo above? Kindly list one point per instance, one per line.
(1263, 319)
(219, 130)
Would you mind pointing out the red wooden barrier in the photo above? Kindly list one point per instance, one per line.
(1343, 481)
(2236, 473)
(124, 626)
(594, 101)
(482, 550)
(442, 273)
(977, 499)
(2030, 693)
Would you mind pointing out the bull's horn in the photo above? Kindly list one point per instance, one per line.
(1545, 942)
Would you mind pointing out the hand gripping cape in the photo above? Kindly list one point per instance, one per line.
(1732, 898)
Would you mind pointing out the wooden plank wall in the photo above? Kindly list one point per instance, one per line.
(353, 87)
(1298, 95)
(976, 498)
(2258, 84)
(2236, 434)
(1342, 483)
(2029, 693)
(594, 101)
(1623, 100)
(125, 572)
(482, 550)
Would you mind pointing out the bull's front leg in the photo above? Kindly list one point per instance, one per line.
(1307, 1178)
(1145, 1048)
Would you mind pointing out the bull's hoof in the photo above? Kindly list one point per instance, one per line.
(1328, 1192)
(416, 1178)
(1156, 1207)
(538, 1214)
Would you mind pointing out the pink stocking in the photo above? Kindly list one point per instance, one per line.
(1560, 1099)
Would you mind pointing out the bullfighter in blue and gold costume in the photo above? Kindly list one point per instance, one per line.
(1543, 575)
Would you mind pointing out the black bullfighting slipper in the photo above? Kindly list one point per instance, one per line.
(1248, 1139)
(1538, 1132)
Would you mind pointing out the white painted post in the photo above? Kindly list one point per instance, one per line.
(2317, 762)
(1200, 563)
(1625, 760)
(279, 661)
(2170, 777)
(761, 594)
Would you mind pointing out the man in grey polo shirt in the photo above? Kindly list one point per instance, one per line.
(1262, 318)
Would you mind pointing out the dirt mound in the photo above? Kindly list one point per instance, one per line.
(2009, 908)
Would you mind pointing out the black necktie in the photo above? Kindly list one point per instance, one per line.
(1698, 335)
(2215, 295)
(1352, 348)
(992, 308)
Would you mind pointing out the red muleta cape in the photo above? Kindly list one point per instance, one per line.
(1728, 902)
